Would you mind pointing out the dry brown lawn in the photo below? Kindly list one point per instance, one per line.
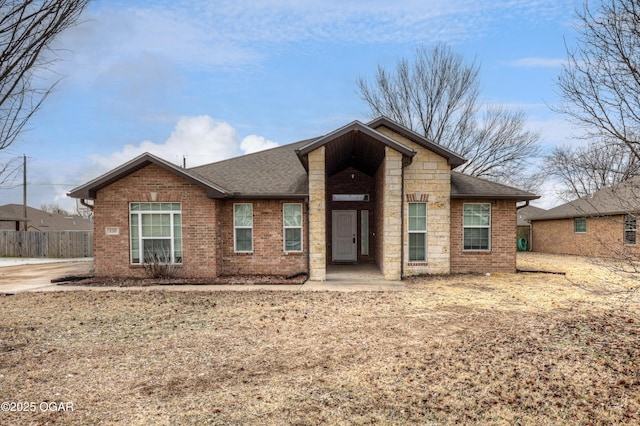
(526, 348)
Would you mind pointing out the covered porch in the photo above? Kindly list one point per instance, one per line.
(355, 202)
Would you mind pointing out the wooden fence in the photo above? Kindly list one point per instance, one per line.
(53, 244)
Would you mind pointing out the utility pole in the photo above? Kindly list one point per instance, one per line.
(24, 188)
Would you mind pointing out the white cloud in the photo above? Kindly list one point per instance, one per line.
(205, 35)
(254, 143)
(199, 140)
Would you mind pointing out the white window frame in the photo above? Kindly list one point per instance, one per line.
(155, 208)
(488, 227)
(236, 227)
(285, 227)
(630, 227)
(575, 222)
(417, 232)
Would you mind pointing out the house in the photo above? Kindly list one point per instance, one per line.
(600, 224)
(375, 192)
(523, 223)
(39, 220)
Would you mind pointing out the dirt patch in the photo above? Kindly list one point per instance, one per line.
(471, 349)
(222, 280)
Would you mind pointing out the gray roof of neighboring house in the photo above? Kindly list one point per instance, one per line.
(44, 221)
(280, 172)
(619, 199)
(525, 213)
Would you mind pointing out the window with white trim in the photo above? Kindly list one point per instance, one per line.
(476, 226)
(155, 232)
(243, 227)
(417, 232)
(630, 229)
(292, 224)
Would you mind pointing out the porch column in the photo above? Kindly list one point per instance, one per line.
(317, 216)
(392, 222)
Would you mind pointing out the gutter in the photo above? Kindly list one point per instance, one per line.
(84, 203)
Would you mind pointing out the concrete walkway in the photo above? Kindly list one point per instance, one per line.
(345, 278)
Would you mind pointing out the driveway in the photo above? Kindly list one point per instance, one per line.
(20, 274)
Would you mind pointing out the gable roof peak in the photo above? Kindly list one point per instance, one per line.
(453, 159)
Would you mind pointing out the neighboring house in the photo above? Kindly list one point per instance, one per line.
(601, 224)
(375, 192)
(38, 220)
(524, 225)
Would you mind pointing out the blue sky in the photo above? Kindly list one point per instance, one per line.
(208, 80)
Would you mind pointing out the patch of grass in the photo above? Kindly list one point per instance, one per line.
(505, 349)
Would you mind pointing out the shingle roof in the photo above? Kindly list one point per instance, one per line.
(525, 213)
(44, 221)
(280, 173)
(465, 186)
(619, 199)
(275, 172)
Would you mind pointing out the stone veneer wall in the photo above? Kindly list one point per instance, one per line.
(427, 178)
(392, 216)
(317, 215)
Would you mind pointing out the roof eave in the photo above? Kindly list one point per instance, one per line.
(453, 159)
(90, 189)
(495, 197)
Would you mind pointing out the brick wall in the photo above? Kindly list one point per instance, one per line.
(200, 226)
(604, 237)
(502, 256)
(268, 255)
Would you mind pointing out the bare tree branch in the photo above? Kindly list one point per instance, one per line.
(436, 95)
(600, 83)
(28, 31)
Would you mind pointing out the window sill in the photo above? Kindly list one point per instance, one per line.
(418, 264)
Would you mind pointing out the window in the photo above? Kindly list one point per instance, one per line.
(292, 218)
(476, 227)
(243, 227)
(364, 232)
(417, 232)
(156, 232)
(630, 229)
(580, 225)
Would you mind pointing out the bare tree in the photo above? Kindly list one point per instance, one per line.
(601, 81)
(9, 171)
(54, 209)
(28, 31)
(437, 95)
(584, 170)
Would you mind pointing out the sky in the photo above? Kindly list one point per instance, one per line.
(203, 80)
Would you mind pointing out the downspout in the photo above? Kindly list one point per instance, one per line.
(526, 203)
(402, 237)
(84, 203)
(309, 241)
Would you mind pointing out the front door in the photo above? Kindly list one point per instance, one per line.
(344, 230)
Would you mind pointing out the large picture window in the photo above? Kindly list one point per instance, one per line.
(243, 227)
(630, 229)
(476, 226)
(156, 232)
(417, 232)
(292, 223)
